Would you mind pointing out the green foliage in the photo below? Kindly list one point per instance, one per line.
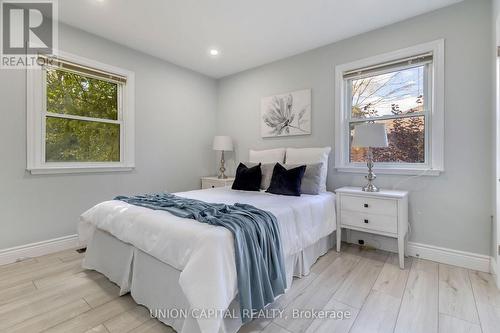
(72, 140)
(71, 93)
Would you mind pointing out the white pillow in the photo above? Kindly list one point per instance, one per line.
(310, 156)
(267, 156)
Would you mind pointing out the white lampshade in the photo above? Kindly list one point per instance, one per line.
(370, 135)
(223, 143)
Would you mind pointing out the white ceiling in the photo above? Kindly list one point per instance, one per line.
(248, 33)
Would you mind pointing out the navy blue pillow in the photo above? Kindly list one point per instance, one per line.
(286, 182)
(247, 179)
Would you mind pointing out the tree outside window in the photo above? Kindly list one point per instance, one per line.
(396, 98)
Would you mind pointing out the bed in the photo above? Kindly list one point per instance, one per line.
(184, 271)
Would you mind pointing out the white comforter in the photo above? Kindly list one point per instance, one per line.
(205, 254)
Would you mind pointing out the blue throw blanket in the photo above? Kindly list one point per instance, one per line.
(258, 253)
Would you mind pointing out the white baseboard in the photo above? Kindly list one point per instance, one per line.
(32, 250)
(442, 255)
(464, 259)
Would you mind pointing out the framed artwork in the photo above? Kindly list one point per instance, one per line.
(286, 114)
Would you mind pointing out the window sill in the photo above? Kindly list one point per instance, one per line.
(392, 171)
(79, 169)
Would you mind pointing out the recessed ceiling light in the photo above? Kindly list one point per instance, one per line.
(214, 52)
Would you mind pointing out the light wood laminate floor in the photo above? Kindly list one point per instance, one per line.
(54, 294)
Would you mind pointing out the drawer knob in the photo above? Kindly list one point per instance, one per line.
(365, 205)
(366, 221)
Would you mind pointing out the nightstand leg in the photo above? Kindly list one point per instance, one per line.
(406, 245)
(401, 251)
(339, 234)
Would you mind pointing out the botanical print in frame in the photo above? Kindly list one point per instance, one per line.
(286, 114)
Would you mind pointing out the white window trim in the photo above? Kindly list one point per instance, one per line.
(435, 156)
(36, 112)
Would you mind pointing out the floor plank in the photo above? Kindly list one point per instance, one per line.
(358, 283)
(72, 290)
(419, 308)
(18, 314)
(297, 288)
(324, 261)
(273, 328)
(71, 256)
(12, 278)
(484, 287)
(26, 266)
(455, 293)
(17, 265)
(64, 277)
(51, 318)
(378, 314)
(98, 329)
(152, 326)
(128, 320)
(341, 323)
(392, 280)
(489, 317)
(97, 297)
(94, 317)
(318, 293)
(448, 324)
(9, 294)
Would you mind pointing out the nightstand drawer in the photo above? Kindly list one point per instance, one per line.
(370, 221)
(369, 205)
(213, 182)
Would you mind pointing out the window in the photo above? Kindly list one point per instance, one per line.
(80, 117)
(403, 90)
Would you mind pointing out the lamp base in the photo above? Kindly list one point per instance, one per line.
(370, 188)
(222, 167)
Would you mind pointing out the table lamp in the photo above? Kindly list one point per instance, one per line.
(370, 135)
(222, 143)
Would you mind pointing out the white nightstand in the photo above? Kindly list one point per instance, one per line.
(383, 213)
(212, 182)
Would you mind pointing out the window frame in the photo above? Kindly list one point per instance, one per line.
(433, 115)
(37, 114)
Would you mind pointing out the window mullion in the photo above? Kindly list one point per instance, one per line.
(388, 117)
(73, 117)
(120, 118)
(428, 111)
(43, 122)
(347, 117)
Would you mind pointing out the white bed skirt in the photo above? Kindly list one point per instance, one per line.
(155, 285)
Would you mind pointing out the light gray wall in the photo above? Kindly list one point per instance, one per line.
(452, 210)
(175, 123)
(496, 167)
